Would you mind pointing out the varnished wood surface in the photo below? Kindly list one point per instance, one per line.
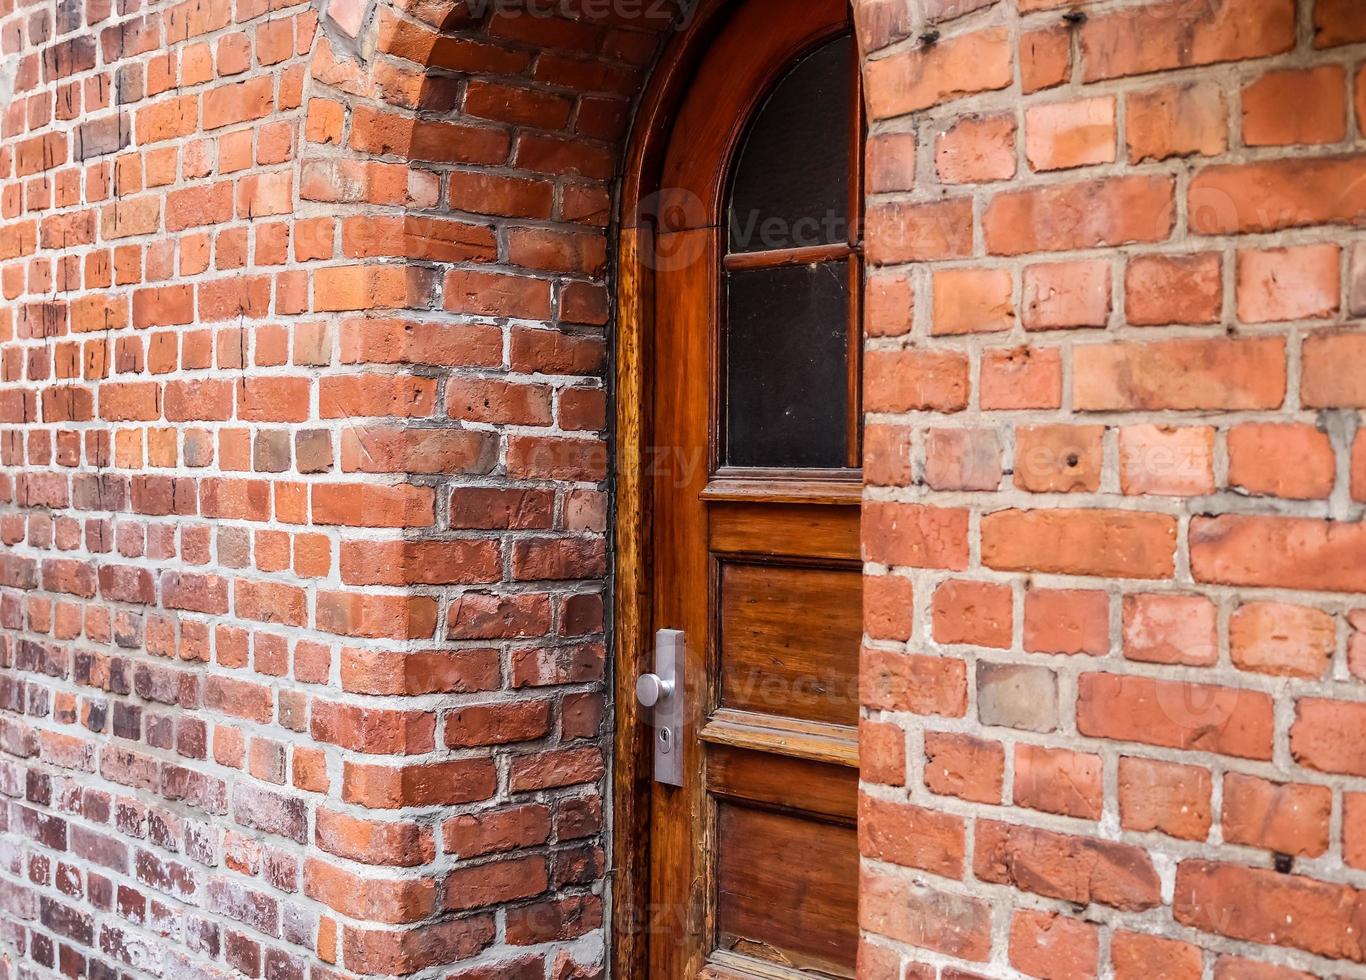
(779, 490)
(789, 641)
(632, 770)
(790, 785)
(780, 257)
(788, 890)
(837, 744)
(795, 779)
(786, 529)
(680, 837)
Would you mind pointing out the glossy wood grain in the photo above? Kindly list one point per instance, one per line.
(786, 784)
(789, 641)
(785, 529)
(788, 890)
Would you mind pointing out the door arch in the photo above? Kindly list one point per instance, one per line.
(696, 111)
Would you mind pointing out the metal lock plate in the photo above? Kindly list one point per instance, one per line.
(666, 717)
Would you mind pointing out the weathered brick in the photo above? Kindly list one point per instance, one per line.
(1175, 714)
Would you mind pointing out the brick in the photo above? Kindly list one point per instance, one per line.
(1021, 378)
(966, 767)
(1180, 375)
(1012, 696)
(1171, 629)
(976, 150)
(902, 381)
(1067, 295)
(1305, 107)
(1058, 781)
(1329, 378)
(1237, 968)
(1326, 736)
(882, 753)
(1164, 460)
(1066, 217)
(1182, 120)
(916, 536)
(1338, 22)
(1160, 290)
(963, 459)
(1059, 458)
(887, 455)
(373, 900)
(911, 836)
(1062, 135)
(978, 613)
(1288, 818)
(922, 685)
(443, 783)
(1275, 195)
(1298, 553)
(1067, 621)
(491, 832)
(1277, 638)
(1045, 58)
(888, 302)
(1163, 796)
(1157, 36)
(973, 301)
(1175, 714)
(400, 617)
(1288, 284)
(899, 232)
(1354, 829)
(918, 78)
(1135, 955)
(409, 951)
(1358, 476)
(1256, 905)
(925, 917)
(365, 506)
(1053, 946)
(1072, 869)
(888, 604)
(1121, 544)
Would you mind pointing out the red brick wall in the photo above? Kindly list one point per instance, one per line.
(1115, 675)
(303, 493)
(302, 485)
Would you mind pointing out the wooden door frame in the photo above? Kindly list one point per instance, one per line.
(632, 778)
(632, 770)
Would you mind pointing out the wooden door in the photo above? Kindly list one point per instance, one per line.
(755, 486)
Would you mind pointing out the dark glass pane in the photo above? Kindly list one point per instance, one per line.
(791, 184)
(786, 366)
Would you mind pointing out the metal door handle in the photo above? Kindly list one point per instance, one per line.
(662, 691)
(652, 689)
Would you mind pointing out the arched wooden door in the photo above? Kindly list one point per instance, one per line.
(755, 485)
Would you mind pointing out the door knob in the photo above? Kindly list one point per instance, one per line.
(652, 689)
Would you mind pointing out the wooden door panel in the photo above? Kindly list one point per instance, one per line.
(787, 890)
(797, 530)
(789, 640)
(792, 785)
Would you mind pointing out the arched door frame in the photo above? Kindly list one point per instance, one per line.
(641, 200)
